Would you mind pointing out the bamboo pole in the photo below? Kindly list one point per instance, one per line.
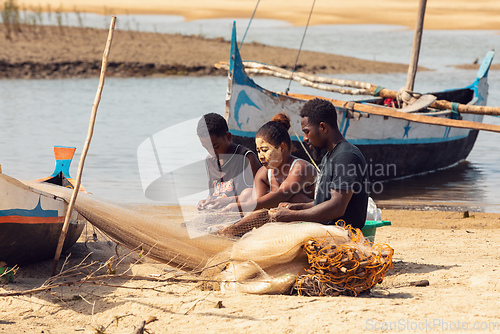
(391, 112)
(260, 68)
(417, 39)
(76, 189)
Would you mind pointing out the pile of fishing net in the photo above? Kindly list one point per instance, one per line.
(306, 258)
(345, 269)
(249, 254)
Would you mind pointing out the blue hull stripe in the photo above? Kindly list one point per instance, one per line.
(36, 212)
(392, 141)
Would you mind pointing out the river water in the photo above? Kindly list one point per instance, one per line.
(35, 115)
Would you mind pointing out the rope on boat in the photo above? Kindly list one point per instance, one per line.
(305, 149)
(249, 23)
(300, 48)
(407, 97)
(378, 90)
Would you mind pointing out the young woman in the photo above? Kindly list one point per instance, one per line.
(282, 177)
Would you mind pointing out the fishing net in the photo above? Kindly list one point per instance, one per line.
(346, 269)
(247, 254)
(230, 224)
(160, 233)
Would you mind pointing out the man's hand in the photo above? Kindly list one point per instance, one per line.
(295, 206)
(291, 206)
(281, 214)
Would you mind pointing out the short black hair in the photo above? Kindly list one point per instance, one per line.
(320, 110)
(214, 123)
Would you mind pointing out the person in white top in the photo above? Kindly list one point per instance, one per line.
(282, 177)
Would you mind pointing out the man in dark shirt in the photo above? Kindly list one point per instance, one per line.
(342, 184)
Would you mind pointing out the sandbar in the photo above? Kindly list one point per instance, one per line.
(440, 14)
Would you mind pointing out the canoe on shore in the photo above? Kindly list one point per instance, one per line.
(31, 220)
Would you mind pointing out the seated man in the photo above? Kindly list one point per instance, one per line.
(230, 168)
(342, 183)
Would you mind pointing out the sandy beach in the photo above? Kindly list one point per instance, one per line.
(458, 256)
(440, 14)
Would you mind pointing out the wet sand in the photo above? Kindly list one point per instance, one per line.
(53, 52)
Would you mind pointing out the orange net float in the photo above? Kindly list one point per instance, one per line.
(346, 269)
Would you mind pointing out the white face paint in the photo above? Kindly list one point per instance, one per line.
(269, 156)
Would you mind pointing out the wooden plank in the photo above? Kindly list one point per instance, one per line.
(391, 112)
(422, 102)
(454, 123)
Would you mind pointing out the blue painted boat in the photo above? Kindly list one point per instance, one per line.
(31, 220)
(394, 146)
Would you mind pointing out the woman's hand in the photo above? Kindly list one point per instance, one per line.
(233, 207)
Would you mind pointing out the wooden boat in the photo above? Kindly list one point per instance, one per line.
(31, 220)
(60, 176)
(395, 142)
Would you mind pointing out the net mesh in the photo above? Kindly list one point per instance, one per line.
(347, 269)
(247, 254)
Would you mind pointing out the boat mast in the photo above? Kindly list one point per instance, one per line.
(417, 38)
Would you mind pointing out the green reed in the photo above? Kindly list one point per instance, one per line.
(11, 18)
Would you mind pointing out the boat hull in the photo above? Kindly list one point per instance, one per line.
(31, 222)
(393, 147)
(391, 161)
(27, 243)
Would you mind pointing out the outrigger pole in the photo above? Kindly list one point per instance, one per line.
(414, 117)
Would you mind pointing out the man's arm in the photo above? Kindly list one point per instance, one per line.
(296, 206)
(329, 210)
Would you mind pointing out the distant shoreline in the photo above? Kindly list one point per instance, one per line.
(447, 15)
(40, 52)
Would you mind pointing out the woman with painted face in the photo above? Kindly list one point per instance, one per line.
(282, 177)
